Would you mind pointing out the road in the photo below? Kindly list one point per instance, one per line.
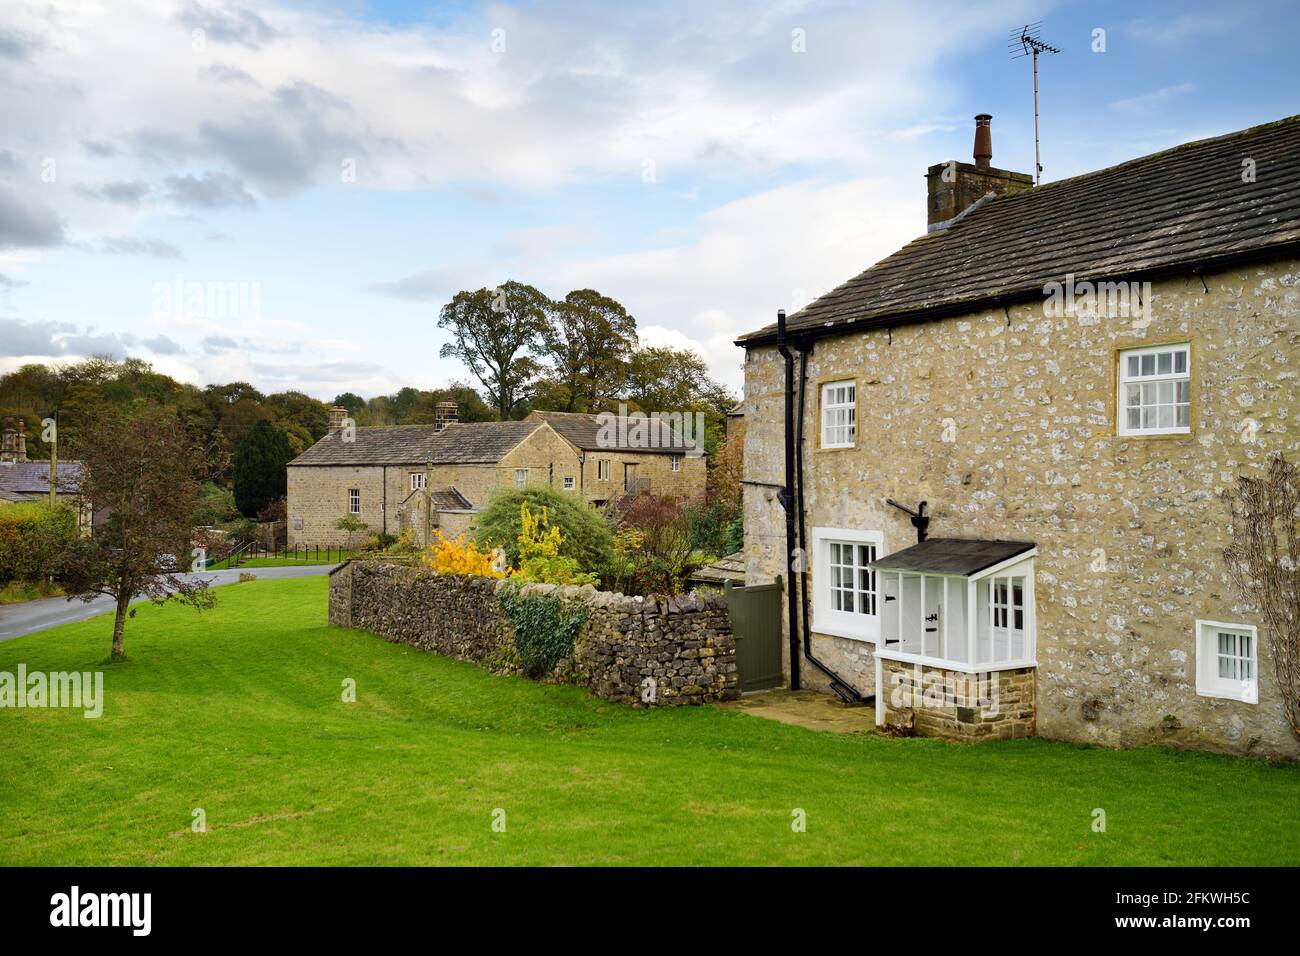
(19, 619)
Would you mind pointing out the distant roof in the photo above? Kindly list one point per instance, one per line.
(583, 431)
(964, 556)
(1184, 208)
(15, 496)
(737, 410)
(444, 499)
(458, 443)
(33, 477)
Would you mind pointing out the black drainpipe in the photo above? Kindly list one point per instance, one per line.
(784, 497)
(843, 689)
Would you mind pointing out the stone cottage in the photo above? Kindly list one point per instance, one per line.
(993, 460)
(24, 480)
(441, 475)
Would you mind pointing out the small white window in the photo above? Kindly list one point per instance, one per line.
(1227, 661)
(676, 462)
(602, 469)
(568, 483)
(1155, 390)
(845, 596)
(839, 414)
(417, 480)
(354, 501)
(521, 477)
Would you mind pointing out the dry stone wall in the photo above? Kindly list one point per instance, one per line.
(647, 652)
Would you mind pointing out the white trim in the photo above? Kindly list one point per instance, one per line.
(853, 625)
(947, 665)
(1208, 681)
(880, 691)
(354, 492)
(570, 483)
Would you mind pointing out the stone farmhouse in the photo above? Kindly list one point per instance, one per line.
(988, 468)
(440, 476)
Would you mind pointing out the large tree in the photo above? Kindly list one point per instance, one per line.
(587, 344)
(497, 333)
(140, 475)
(662, 379)
(260, 476)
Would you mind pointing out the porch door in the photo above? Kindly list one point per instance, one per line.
(629, 477)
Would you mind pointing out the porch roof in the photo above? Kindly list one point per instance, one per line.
(963, 556)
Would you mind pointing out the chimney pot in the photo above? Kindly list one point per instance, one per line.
(983, 141)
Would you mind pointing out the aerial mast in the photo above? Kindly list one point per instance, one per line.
(1027, 42)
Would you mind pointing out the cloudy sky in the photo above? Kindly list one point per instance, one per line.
(286, 193)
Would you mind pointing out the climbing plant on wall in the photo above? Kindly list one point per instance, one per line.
(545, 628)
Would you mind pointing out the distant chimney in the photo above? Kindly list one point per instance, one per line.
(954, 187)
(445, 414)
(338, 415)
(13, 445)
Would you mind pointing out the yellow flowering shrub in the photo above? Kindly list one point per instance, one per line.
(539, 552)
(460, 557)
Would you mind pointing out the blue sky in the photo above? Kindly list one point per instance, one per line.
(686, 158)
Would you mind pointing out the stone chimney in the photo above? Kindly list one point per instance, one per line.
(955, 187)
(338, 415)
(445, 414)
(13, 445)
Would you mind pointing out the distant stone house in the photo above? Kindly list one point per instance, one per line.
(24, 480)
(1058, 382)
(440, 476)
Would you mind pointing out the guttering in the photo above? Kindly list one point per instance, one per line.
(786, 502)
(842, 688)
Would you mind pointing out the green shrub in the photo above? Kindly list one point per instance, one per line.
(545, 628)
(32, 535)
(709, 526)
(587, 536)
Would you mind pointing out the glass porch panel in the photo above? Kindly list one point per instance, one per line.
(910, 615)
(983, 625)
(955, 640)
(1019, 624)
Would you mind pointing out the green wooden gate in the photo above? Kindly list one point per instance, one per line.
(756, 624)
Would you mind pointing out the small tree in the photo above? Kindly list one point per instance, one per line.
(585, 535)
(260, 475)
(139, 471)
(351, 524)
(1264, 564)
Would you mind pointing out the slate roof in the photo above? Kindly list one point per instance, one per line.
(730, 568)
(583, 431)
(15, 496)
(965, 556)
(33, 477)
(1183, 209)
(444, 499)
(458, 443)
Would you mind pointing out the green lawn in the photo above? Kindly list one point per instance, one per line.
(238, 711)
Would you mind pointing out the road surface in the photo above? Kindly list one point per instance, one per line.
(19, 619)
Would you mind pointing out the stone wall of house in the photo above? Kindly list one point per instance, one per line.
(640, 651)
(935, 702)
(1004, 421)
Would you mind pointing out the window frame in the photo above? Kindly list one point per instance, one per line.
(354, 501)
(675, 461)
(823, 406)
(1208, 681)
(521, 477)
(419, 481)
(854, 625)
(570, 484)
(602, 469)
(1123, 379)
